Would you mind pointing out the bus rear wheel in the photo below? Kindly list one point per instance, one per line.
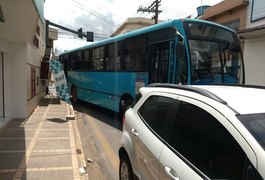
(124, 105)
(74, 94)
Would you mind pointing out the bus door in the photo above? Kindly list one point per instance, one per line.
(159, 63)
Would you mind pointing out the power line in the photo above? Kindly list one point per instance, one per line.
(96, 14)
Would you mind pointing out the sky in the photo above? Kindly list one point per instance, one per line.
(103, 17)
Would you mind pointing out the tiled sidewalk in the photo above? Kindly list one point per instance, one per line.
(41, 147)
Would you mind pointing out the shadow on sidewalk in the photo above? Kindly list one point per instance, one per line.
(57, 120)
(13, 142)
(48, 100)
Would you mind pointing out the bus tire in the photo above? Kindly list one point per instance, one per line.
(74, 95)
(124, 105)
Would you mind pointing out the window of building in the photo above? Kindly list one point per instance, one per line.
(257, 12)
(234, 25)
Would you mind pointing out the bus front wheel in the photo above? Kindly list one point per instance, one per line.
(74, 94)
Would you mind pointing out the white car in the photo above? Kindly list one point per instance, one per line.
(194, 132)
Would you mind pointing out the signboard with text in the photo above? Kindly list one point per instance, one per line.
(60, 80)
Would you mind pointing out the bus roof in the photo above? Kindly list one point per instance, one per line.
(155, 27)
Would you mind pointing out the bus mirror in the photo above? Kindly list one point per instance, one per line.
(180, 37)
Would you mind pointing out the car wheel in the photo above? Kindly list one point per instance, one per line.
(125, 170)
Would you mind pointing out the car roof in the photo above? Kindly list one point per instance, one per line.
(242, 99)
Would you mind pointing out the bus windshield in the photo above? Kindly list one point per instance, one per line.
(215, 55)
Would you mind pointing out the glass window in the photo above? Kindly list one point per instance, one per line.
(98, 61)
(159, 63)
(255, 123)
(97, 64)
(135, 55)
(72, 61)
(86, 60)
(210, 31)
(215, 54)
(214, 62)
(204, 142)
(78, 59)
(182, 59)
(113, 58)
(234, 25)
(155, 111)
(98, 53)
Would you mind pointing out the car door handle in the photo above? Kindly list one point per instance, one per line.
(171, 173)
(135, 133)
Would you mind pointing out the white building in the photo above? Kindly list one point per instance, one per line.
(254, 47)
(22, 47)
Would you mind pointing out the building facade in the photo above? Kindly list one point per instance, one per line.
(253, 37)
(22, 47)
(132, 24)
(231, 13)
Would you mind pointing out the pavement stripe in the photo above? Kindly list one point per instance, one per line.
(51, 150)
(73, 149)
(112, 156)
(51, 129)
(54, 138)
(39, 169)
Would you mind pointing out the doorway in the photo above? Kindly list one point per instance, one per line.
(159, 58)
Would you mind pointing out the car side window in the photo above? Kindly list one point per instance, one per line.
(155, 111)
(206, 144)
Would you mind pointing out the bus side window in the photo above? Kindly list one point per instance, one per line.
(98, 59)
(78, 60)
(182, 63)
(86, 60)
(72, 62)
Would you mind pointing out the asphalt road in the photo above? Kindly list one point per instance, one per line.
(100, 131)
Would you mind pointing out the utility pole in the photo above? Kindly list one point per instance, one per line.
(153, 8)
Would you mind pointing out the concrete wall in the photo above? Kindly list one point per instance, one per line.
(254, 61)
(19, 82)
(228, 11)
(33, 60)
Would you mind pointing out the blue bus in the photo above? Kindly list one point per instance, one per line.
(110, 72)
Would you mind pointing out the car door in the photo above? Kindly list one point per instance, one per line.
(204, 145)
(149, 132)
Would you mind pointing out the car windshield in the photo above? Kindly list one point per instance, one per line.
(255, 123)
(215, 55)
